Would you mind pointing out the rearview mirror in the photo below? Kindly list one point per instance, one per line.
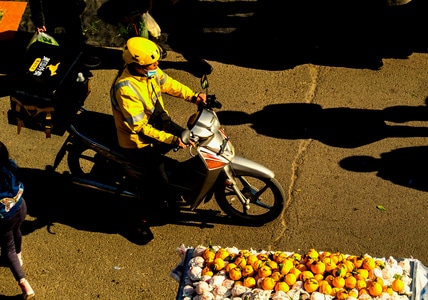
(204, 82)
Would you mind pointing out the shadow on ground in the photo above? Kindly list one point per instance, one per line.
(270, 35)
(52, 198)
(404, 166)
(337, 127)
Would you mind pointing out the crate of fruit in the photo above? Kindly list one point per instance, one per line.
(214, 273)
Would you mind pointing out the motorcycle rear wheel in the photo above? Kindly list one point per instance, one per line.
(266, 199)
(85, 162)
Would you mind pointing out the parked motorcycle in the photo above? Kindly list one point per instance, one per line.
(243, 189)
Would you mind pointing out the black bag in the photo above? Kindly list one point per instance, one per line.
(50, 91)
(160, 119)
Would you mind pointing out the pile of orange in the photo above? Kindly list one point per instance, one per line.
(334, 274)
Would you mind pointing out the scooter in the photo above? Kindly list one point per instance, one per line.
(243, 189)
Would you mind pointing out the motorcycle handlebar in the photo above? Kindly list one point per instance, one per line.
(212, 102)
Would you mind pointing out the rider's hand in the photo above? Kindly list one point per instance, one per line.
(201, 98)
(41, 29)
(183, 145)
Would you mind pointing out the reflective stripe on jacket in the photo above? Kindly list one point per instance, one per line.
(133, 101)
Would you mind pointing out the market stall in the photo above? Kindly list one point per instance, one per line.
(213, 273)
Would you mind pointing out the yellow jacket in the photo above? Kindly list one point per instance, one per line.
(133, 101)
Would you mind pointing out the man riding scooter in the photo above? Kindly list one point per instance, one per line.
(145, 130)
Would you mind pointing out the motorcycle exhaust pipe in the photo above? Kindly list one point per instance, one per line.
(102, 187)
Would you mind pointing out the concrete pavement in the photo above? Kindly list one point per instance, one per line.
(341, 139)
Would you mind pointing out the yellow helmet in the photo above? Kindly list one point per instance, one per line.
(141, 51)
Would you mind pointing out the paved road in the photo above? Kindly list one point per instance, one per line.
(341, 139)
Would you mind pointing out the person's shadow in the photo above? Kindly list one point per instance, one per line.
(338, 127)
(52, 197)
(404, 166)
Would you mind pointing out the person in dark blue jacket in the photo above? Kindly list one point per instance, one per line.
(12, 213)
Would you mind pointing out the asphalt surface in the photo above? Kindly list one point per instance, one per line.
(341, 137)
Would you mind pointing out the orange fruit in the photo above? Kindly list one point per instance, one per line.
(302, 267)
(337, 257)
(313, 254)
(329, 279)
(264, 271)
(363, 291)
(362, 274)
(397, 285)
(380, 264)
(282, 286)
(230, 266)
(319, 277)
(222, 253)
(272, 264)
(249, 282)
(248, 271)
(339, 271)
(353, 293)
(350, 282)
(290, 279)
(262, 256)
(324, 255)
(338, 282)
(240, 261)
(379, 280)
(279, 257)
(296, 272)
(295, 257)
(357, 261)
(251, 259)
(318, 267)
(218, 264)
(268, 283)
(375, 289)
(286, 266)
(276, 276)
(388, 289)
(342, 294)
(330, 266)
(325, 288)
(308, 262)
(361, 284)
(306, 275)
(257, 264)
(349, 265)
(207, 271)
(311, 285)
(235, 274)
(209, 256)
(369, 263)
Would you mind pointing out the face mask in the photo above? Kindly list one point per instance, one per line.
(151, 73)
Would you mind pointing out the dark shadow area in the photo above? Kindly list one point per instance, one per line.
(270, 35)
(2, 297)
(337, 127)
(274, 36)
(404, 166)
(52, 198)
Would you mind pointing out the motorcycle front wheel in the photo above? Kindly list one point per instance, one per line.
(265, 196)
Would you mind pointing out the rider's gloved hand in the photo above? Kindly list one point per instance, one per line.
(201, 97)
(180, 143)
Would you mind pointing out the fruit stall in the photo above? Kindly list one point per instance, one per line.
(214, 273)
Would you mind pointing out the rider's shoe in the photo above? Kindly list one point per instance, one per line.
(144, 233)
(138, 232)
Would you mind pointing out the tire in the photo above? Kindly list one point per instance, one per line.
(266, 208)
(85, 162)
